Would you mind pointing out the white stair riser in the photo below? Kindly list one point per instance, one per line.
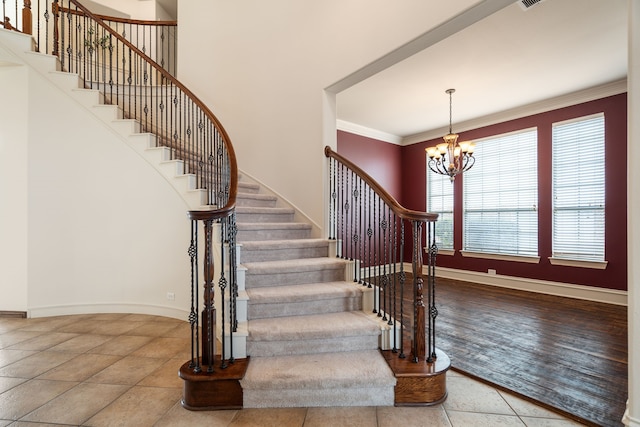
(126, 127)
(106, 113)
(87, 97)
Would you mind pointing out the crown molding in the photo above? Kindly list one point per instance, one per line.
(591, 94)
(368, 132)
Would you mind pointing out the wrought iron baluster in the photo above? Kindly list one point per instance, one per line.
(402, 283)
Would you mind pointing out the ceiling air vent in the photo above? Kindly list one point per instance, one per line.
(527, 4)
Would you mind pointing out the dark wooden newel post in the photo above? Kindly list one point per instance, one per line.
(209, 311)
(420, 322)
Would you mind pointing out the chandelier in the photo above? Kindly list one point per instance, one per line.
(451, 157)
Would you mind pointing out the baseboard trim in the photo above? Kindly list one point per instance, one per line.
(590, 293)
(66, 310)
(13, 314)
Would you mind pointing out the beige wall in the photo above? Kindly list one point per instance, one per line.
(88, 225)
(262, 66)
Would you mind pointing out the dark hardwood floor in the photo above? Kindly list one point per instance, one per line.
(568, 355)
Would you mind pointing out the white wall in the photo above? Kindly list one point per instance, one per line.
(87, 224)
(261, 66)
(13, 185)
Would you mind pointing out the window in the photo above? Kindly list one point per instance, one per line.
(500, 196)
(440, 201)
(578, 189)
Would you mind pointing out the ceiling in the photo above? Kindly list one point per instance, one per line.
(506, 61)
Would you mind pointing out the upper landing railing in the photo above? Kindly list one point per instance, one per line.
(377, 233)
(132, 63)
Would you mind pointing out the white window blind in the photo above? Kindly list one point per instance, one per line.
(500, 194)
(440, 201)
(578, 189)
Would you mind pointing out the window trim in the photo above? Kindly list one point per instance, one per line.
(529, 259)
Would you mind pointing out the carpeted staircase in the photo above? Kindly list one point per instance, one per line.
(310, 342)
(311, 339)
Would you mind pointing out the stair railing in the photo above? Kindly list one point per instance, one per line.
(375, 232)
(102, 52)
(22, 16)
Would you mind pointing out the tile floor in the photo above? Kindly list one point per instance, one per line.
(121, 370)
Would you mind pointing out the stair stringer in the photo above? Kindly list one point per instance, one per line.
(127, 130)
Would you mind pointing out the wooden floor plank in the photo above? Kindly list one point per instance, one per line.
(568, 355)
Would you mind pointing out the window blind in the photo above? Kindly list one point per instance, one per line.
(440, 201)
(500, 195)
(579, 189)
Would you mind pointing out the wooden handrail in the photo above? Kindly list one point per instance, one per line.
(123, 20)
(397, 208)
(228, 208)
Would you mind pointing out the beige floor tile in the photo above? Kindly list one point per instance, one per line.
(549, 422)
(16, 336)
(164, 348)
(121, 346)
(133, 317)
(80, 367)
(165, 376)
(43, 342)
(85, 326)
(525, 408)
(270, 417)
(78, 404)
(82, 343)
(8, 357)
(108, 317)
(407, 416)
(33, 424)
(36, 364)
(140, 407)
(4, 423)
(116, 327)
(127, 371)
(45, 324)
(465, 394)
(475, 419)
(7, 383)
(180, 417)
(26, 397)
(355, 416)
(182, 330)
(10, 324)
(153, 329)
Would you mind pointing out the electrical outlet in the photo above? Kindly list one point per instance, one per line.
(171, 296)
(492, 271)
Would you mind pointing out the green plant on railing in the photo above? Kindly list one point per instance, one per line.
(93, 41)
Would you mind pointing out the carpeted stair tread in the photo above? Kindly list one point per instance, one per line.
(256, 199)
(252, 231)
(248, 187)
(263, 209)
(294, 272)
(357, 369)
(306, 292)
(272, 250)
(291, 243)
(298, 265)
(313, 327)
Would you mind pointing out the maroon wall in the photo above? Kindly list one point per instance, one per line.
(412, 191)
(379, 159)
(615, 275)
